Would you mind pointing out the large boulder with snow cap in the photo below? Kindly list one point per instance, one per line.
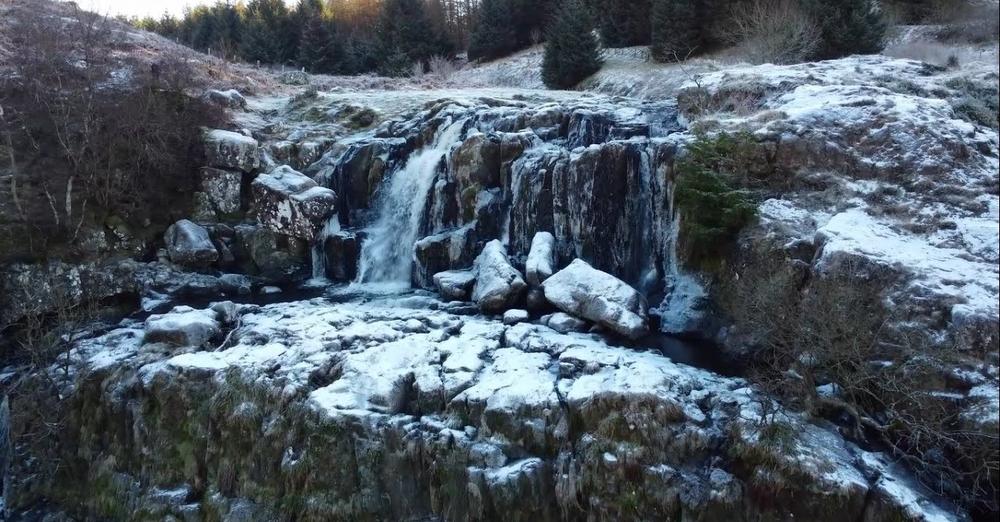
(190, 245)
(586, 292)
(231, 150)
(499, 286)
(182, 326)
(541, 258)
(291, 203)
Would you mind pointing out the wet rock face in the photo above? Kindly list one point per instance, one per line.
(342, 252)
(189, 245)
(290, 203)
(432, 414)
(581, 290)
(231, 150)
(357, 172)
(603, 209)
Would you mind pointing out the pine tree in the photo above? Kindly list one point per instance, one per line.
(622, 23)
(320, 50)
(405, 35)
(269, 36)
(848, 27)
(676, 31)
(571, 52)
(494, 35)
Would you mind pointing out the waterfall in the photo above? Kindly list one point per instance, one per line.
(387, 254)
(331, 227)
(682, 309)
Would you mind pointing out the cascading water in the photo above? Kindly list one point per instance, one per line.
(331, 227)
(387, 254)
(681, 310)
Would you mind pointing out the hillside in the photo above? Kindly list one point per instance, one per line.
(706, 290)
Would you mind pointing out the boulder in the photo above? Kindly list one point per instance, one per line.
(231, 150)
(583, 291)
(455, 285)
(223, 188)
(499, 286)
(182, 326)
(273, 256)
(189, 245)
(290, 203)
(444, 251)
(512, 317)
(229, 99)
(565, 323)
(541, 258)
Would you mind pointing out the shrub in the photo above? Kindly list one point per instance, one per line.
(883, 384)
(711, 203)
(88, 136)
(773, 31)
(847, 27)
(571, 52)
(676, 29)
(494, 35)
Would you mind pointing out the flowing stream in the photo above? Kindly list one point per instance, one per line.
(387, 256)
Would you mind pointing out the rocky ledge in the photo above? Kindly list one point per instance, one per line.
(402, 407)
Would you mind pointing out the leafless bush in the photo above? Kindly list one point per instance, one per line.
(88, 133)
(442, 67)
(833, 333)
(773, 31)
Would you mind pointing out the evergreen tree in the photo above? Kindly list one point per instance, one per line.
(320, 50)
(405, 36)
(622, 23)
(270, 37)
(571, 52)
(848, 27)
(494, 35)
(531, 19)
(676, 31)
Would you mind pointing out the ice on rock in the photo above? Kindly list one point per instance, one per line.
(541, 261)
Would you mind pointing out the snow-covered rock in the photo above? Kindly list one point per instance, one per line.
(182, 326)
(581, 290)
(290, 203)
(455, 285)
(189, 244)
(541, 261)
(481, 399)
(230, 98)
(231, 150)
(512, 317)
(565, 323)
(499, 285)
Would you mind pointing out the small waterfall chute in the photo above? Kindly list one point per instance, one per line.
(387, 253)
(331, 227)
